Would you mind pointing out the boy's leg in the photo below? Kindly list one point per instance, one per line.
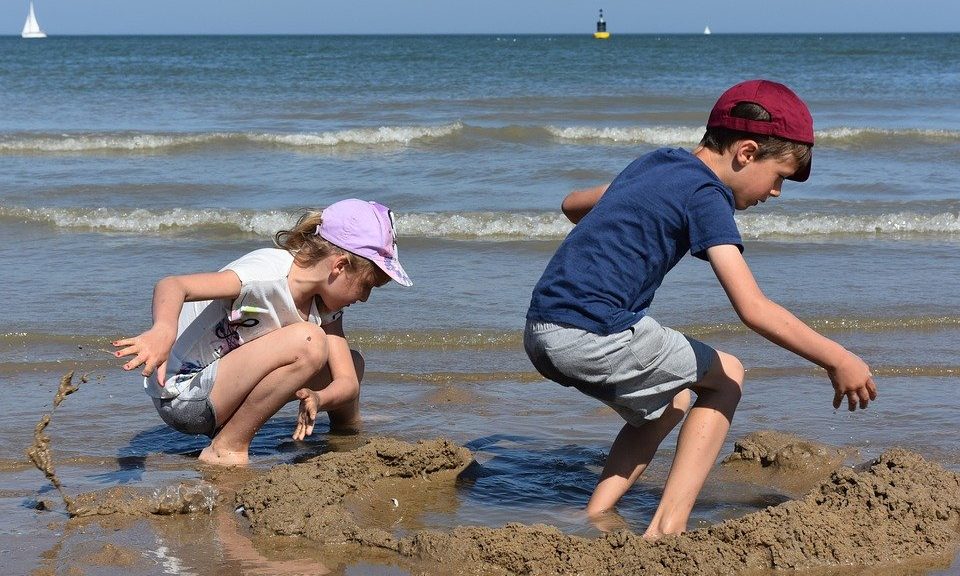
(631, 453)
(698, 444)
(255, 380)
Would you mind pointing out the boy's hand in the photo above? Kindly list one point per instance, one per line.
(307, 416)
(852, 378)
(149, 349)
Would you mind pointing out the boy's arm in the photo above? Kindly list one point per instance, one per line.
(577, 203)
(344, 387)
(849, 374)
(152, 348)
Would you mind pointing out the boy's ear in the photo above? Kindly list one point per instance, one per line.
(745, 151)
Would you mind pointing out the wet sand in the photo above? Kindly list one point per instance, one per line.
(896, 514)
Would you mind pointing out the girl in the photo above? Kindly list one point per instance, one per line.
(228, 349)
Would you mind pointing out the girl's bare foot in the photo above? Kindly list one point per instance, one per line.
(211, 455)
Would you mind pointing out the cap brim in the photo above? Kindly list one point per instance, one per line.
(802, 174)
(394, 270)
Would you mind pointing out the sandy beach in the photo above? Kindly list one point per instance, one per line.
(360, 507)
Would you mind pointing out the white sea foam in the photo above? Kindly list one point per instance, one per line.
(387, 136)
(134, 142)
(853, 135)
(493, 226)
(485, 225)
(811, 224)
(660, 135)
(690, 136)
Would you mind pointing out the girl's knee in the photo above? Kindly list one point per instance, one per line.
(309, 343)
(359, 364)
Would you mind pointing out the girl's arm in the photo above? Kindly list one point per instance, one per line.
(849, 374)
(577, 203)
(344, 387)
(152, 348)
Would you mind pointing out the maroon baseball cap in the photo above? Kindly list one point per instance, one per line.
(790, 118)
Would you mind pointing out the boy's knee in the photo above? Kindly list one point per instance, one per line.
(725, 376)
(682, 401)
(732, 368)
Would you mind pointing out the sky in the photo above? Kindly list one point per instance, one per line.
(64, 17)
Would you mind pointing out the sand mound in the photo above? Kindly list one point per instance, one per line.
(785, 461)
(182, 498)
(895, 509)
(305, 499)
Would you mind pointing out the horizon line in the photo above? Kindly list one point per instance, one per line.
(585, 34)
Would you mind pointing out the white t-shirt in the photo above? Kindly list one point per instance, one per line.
(210, 329)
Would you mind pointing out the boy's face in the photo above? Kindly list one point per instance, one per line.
(758, 180)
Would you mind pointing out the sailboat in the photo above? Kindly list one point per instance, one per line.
(31, 28)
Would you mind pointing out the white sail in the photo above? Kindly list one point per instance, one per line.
(706, 30)
(31, 28)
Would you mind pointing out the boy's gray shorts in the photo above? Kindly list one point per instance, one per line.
(192, 412)
(636, 372)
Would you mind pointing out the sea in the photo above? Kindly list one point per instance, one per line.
(126, 159)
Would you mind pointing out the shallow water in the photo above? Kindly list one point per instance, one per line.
(127, 159)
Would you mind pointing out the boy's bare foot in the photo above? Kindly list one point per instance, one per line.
(210, 455)
(608, 521)
(652, 536)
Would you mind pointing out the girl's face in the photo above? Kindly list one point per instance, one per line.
(350, 286)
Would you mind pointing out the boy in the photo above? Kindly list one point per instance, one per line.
(587, 325)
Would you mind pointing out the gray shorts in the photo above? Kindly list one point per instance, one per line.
(191, 412)
(636, 372)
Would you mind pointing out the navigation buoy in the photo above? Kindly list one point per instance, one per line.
(601, 33)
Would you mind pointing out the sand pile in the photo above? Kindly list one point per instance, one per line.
(181, 498)
(895, 509)
(784, 461)
(305, 499)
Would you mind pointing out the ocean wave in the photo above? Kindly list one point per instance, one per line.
(658, 136)
(895, 224)
(121, 142)
(690, 136)
(140, 220)
(392, 136)
(870, 137)
(432, 339)
(484, 226)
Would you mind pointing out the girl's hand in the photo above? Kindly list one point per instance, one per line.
(307, 416)
(149, 349)
(852, 379)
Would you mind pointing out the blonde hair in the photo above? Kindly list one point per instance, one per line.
(308, 247)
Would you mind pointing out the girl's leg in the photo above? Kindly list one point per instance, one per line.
(344, 418)
(254, 381)
(698, 444)
(631, 453)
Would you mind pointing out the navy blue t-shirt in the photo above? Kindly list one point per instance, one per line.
(605, 273)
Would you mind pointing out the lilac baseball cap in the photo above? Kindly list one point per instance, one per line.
(366, 229)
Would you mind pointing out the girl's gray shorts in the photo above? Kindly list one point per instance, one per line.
(636, 372)
(191, 412)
